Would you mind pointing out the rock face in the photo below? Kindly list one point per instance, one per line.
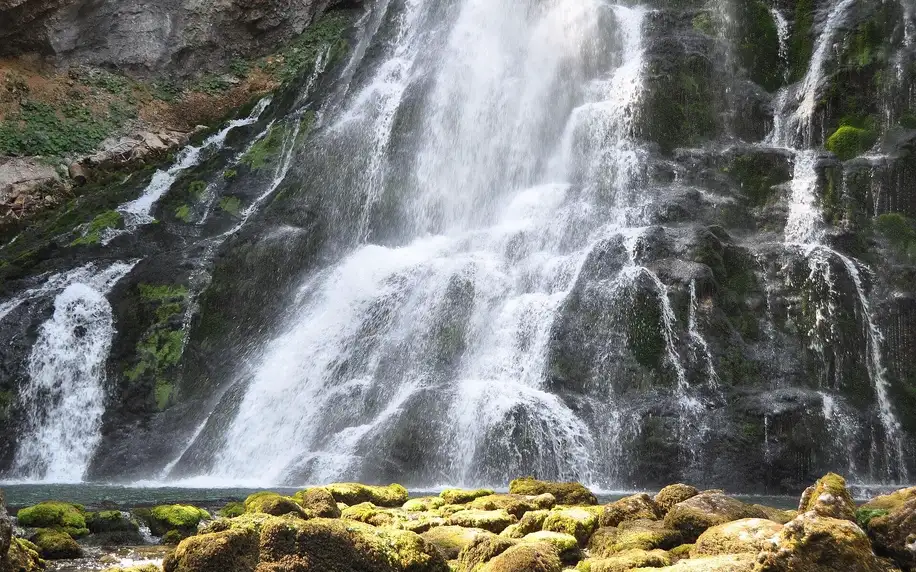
(894, 533)
(176, 35)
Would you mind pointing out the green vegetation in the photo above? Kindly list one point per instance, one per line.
(644, 330)
(41, 129)
(163, 293)
(864, 516)
(757, 175)
(899, 230)
(213, 84)
(230, 174)
(232, 510)
(55, 544)
(62, 516)
(324, 36)
(231, 205)
(265, 151)
(801, 44)
(93, 232)
(197, 189)
(102, 79)
(758, 44)
(849, 141)
(175, 521)
(703, 23)
(183, 213)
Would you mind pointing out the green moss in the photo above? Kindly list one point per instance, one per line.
(265, 152)
(848, 142)
(197, 189)
(164, 391)
(180, 518)
(575, 522)
(163, 293)
(324, 36)
(644, 330)
(393, 495)
(92, 234)
(230, 174)
(231, 205)
(461, 496)
(53, 514)
(56, 545)
(757, 43)
(183, 213)
(864, 516)
(272, 503)
(232, 510)
(801, 44)
(491, 520)
(703, 23)
(758, 177)
(899, 230)
(565, 493)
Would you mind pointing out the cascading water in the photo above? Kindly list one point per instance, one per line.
(64, 397)
(462, 316)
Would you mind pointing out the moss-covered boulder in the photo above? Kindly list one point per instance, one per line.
(680, 552)
(54, 544)
(55, 514)
(726, 563)
(110, 521)
(638, 506)
(21, 556)
(451, 540)
(849, 141)
(274, 504)
(775, 514)
(318, 501)
(894, 533)
(569, 493)
(233, 509)
(422, 504)
(491, 520)
(890, 501)
(481, 549)
(745, 535)
(531, 521)
(566, 545)
(815, 543)
(226, 551)
(633, 535)
(626, 560)
(673, 494)
(829, 497)
(391, 496)
(368, 513)
(516, 505)
(525, 558)
(574, 521)
(182, 519)
(463, 496)
(694, 515)
(336, 545)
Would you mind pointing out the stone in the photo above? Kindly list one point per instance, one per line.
(451, 540)
(318, 501)
(635, 534)
(55, 544)
(894, 534)
(626, 560)
(6, 526)
(574, 521)
(725, 563)
(368, 513)
(525, 558)
(21, 556)
(694, 515)
(423, 504)
(516, 505)
(745, 535)
(58, 515)
(777, 515)
(492, 520)
(569, 493)
(673, 494)
(566, 545)
(638, 506)
(274, 504)
(183, 519)
(393, 495)
(483, 548)
(829, 497)
(815, 543)
(226, 551)
(462, 496)
(24, 176)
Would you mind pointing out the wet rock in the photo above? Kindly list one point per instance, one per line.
(525, 558)
(451, 540)
(639, 506)
(273, 504)
(318, 501)
(576, 522)
(725, 563)
(694, 515)
(110, 521)
(370, 514)
(55, 544)
(516, 505)
(462, 496)
(393, 495)
(173, 522)
(630, 535)
(745, 535)
(673, 494)
(777, 515)
(22, 556)
(566, 545)
(894, 533)
(829, 497)
(483, 548)
(815, 543)
(58, 515)
(226, 551)
(492, 520)
(6, 526)
(565, 493)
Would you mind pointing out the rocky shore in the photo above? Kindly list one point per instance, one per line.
(537, 526)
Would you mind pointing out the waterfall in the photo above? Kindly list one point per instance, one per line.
(696, 336)
(63, 398)
(526, 133)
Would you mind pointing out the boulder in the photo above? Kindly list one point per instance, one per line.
(6, 526)
(174, 522)
(673, 494)
(829, 497)
(516, 505)
(639, 506)
(274, 504)
(724, 563)
(531, 521)
(318, 501)
(422, 504)
(462, 496)
(491, 520)
(815, 543)
(694, 515)
(55, 544)
(226, 551)
(777, 515)
(58, 515)
(110, 521)
(745, 535)
(894, 534)
(569, 493)
(391, 496)
(630, 535)
(566, 545)
(21, 556)
(451, 540)
(574, 521)
(370, 514)
(626, 560)
(525, 558)
(483, 548)
(890, 501)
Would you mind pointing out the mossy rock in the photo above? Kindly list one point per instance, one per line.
(55, 544)
(274, 504)
(335, 545)
(849, 142)
(144, 568)
(680, 552)
(391, 496)
(633, 535)
(626, 560)
(634, 507)
(726, 563)
(566, 545)
(745, 535)
(421, 523)
(423, 504)
(110, 521)
(318, 501)
(574, 521)
(829, 497)
(462, 496)
(232, 509)
(568, 493)
(531, 521)
(368, 513)
(525, 558)
(776, 514)
(226, 551)
(483, 548)
(451, 540)
(694, 515)
(815, 543)
(54, 514)
(491, 520)
(181, 518)
(516, 505)
(673, 494)
(22, 556)
(894, 533)
(890, 501)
